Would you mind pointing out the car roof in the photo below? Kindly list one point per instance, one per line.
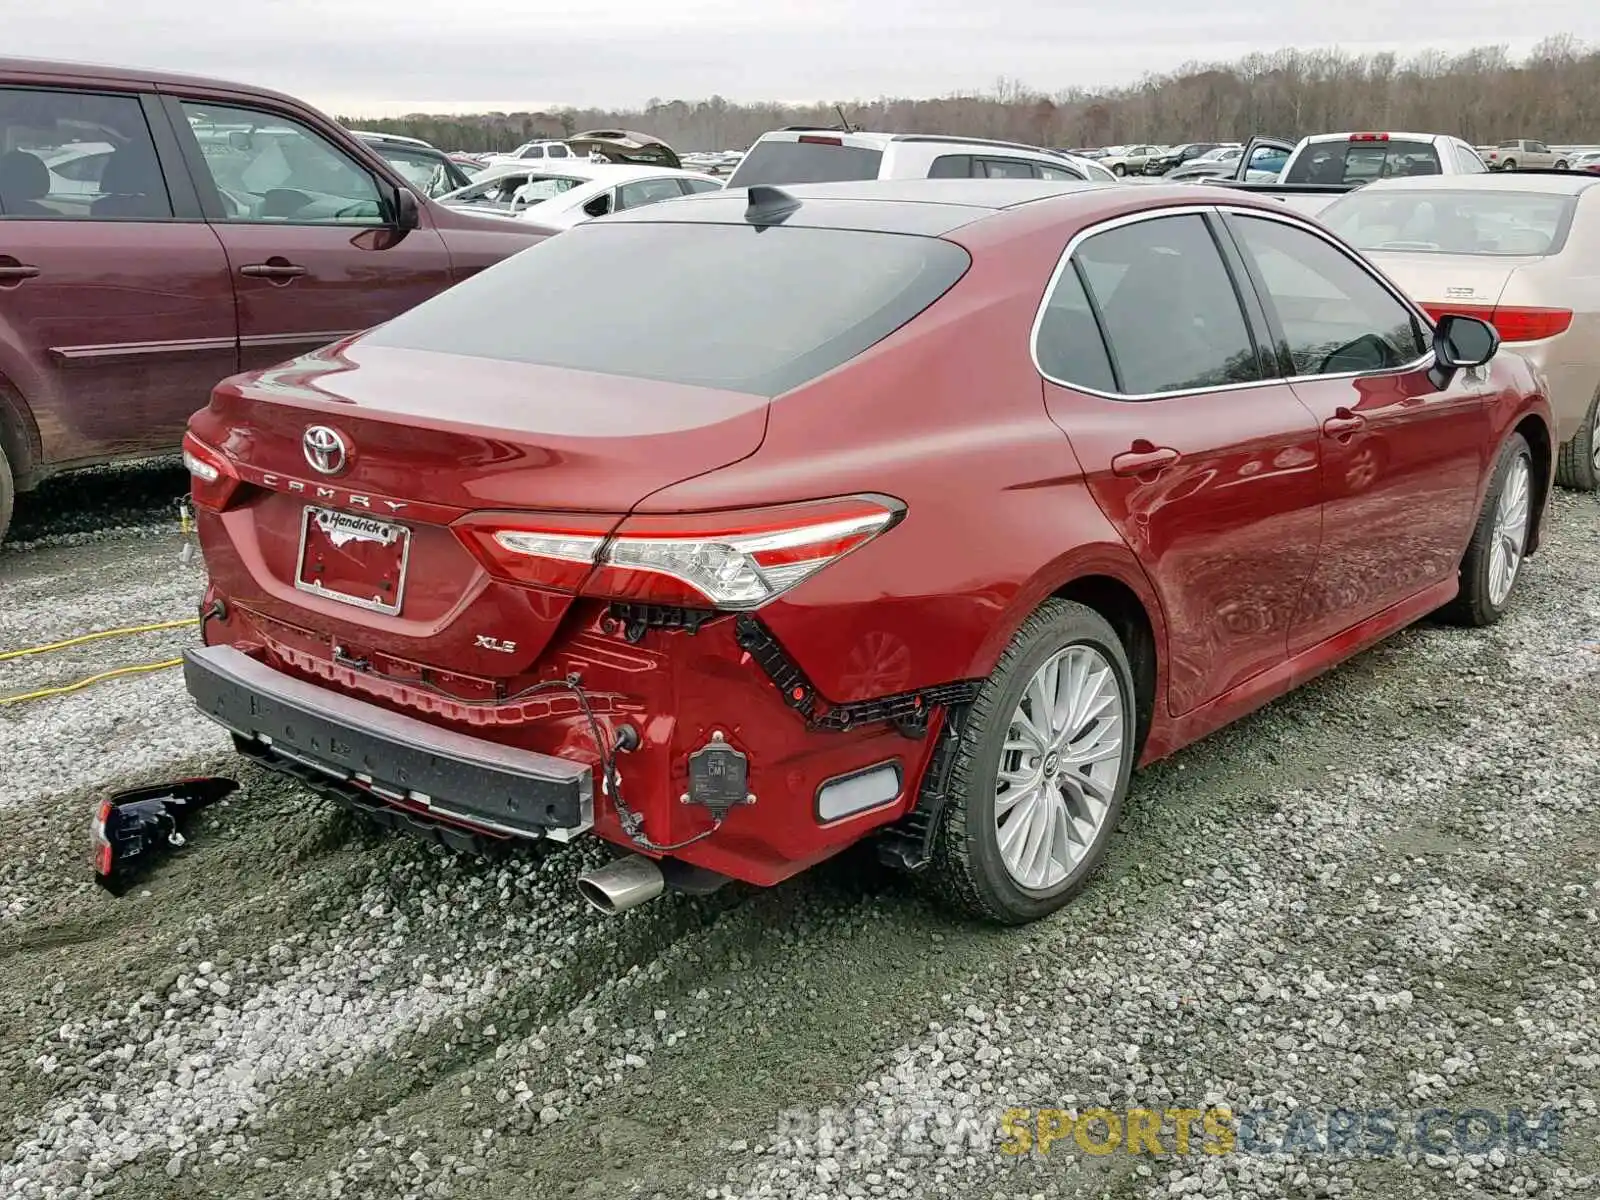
(929, 207)
(582, 168)
(131, 77)
(1562, 183)
(1386, 134)
(795, 133)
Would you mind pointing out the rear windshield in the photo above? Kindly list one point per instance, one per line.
(781, 162)
(1362, 162)
(735, 307)
(1451, 222)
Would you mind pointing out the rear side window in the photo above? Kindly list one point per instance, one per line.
(1363, 161)
(1005, 168)
(78, 156)
(780, 162)
(1069, 343)
(1168, 307)
(951, 166)
(1435, 221)
(736, 307)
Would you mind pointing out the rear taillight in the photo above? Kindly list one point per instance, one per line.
(212, 480)
(1515, 323)
(727, 560)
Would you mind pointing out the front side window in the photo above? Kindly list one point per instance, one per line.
(758, 309)
(78, 156)
(951, 166)
(430, 174)
(1335, 315)
(1168, 306)
(270, 168)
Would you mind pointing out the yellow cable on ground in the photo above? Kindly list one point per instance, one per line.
(139, 669)
(95, 637)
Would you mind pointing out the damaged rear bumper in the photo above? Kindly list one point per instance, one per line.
(369, 757)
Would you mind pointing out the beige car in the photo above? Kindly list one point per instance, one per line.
(1520, 251)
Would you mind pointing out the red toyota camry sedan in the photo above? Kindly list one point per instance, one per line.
(742, 527)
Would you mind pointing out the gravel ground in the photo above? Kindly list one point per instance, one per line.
(1380, 892)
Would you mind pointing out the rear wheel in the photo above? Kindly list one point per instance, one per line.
(1118, 169)
(8, 493)
(1578, 461)
(1043, 765)
(1493, 560)
(1561, 164)
(1510, 164)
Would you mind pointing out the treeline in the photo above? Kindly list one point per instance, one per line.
(1484, 95)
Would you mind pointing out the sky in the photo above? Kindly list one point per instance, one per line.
(386, 57)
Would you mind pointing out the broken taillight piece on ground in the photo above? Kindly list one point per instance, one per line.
(130, 827)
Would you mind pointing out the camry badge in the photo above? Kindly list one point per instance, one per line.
(325, 450)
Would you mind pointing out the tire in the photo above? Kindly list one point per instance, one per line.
(8, 494)
(1510, 164)
(1119, 170)
(1479, 602)
(1578, 460)
(969, 869)
(1561, 164)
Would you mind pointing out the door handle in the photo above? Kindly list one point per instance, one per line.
(1142, 458)
(1343, 423)
(275, 268)
(13, 272)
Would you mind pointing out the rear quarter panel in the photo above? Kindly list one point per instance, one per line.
(948, 416)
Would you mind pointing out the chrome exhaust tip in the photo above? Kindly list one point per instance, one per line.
(622, 884)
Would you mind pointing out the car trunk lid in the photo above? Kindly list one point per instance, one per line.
(366, 553)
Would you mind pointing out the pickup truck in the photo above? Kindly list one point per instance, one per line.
(1326, 165)
(208, 228)
(1523, 154)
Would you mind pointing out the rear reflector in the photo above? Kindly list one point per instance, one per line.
(1369, 137)
(1514, 323)
(812, 139)
(864, 790)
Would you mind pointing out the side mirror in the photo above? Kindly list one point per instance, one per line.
(407, 212)
(599, 206)
(1461, 342)
(239, 139)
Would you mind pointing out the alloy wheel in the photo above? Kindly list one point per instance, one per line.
(1510, 531)
(1060, 767)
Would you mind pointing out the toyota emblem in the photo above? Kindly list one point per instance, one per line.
(325, 450)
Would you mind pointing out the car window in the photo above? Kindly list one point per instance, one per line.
(531, 189)
(533, 152)
(78, 156)
(1363, 161)
(951, 166)
(1061, 172)
(824, 160)
(647, 191)
(1004, 168)
(1453, 222)
(1335, 315)
(427, 173)
(269, 168)
(1069, 345)
(557, 152)
(1467, 160)
(1168, 306)
(748, 308)
(694, 186)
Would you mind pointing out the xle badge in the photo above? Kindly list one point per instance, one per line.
(485, 642)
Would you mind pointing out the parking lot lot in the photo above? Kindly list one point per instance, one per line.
(1380, 891)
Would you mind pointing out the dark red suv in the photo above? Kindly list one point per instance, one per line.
(748, 525)
(160, 232)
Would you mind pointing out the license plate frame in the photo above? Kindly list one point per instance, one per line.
(367, 529)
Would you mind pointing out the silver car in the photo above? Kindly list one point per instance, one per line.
(1518, 250)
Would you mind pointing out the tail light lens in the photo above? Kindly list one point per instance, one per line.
(1369, 137)
(732, 561)
(1515, 323)
(212, 481)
